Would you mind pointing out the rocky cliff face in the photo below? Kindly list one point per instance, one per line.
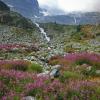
(3, 7)
(13, 18)
(27, 8)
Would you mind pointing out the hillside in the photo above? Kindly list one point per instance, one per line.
(16, 28)
(74, 37)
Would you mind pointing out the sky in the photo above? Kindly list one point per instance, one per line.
(65, 6)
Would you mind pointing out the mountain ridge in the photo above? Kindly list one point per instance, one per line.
(28, 8)
(72, 18)
(31, 10)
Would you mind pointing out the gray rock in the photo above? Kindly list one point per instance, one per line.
(29, 98)
(97, 71)
(1, 58)
(46, 73)
(89, 68)
(55, 73)
(56, 67)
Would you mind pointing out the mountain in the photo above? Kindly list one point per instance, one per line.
(13, 18)
(3, 7)
(72, 18)
(31, 9)
(27, 8)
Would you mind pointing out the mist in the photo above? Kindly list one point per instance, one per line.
(66, 6)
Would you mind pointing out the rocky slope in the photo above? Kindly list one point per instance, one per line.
(63, 38)
(16, 28)
(73, 38)
(19, 37)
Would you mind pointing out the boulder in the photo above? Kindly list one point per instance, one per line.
(55, 71)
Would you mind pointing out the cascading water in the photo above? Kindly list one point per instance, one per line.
(46, 37)
(43, 32)
(75, 20)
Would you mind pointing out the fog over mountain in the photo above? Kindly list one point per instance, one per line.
(64, 6)
(59, 11)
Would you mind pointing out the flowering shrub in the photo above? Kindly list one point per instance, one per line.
(20, 84)
(90, 59)
(84, 57)
(3, 88)
(83, 63)
(21, 65)
(15, 85)
(17, 47)
(83, 90)
(14, 64)
(10, 46)
(14, 81)
(44, 88)
(17, 82)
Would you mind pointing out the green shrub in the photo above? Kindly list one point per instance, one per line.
(20, 67)
(82, 61)
(69, 75)
(98, 90)
(35, 68)
(72, 94)
(91, 72)
(78, 35)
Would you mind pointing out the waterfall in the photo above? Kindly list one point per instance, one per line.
(43, 32)
(75, 20)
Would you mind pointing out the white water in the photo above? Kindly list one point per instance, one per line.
(43, 32)
(75, 20)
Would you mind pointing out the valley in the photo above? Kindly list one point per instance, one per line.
(48, 61)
